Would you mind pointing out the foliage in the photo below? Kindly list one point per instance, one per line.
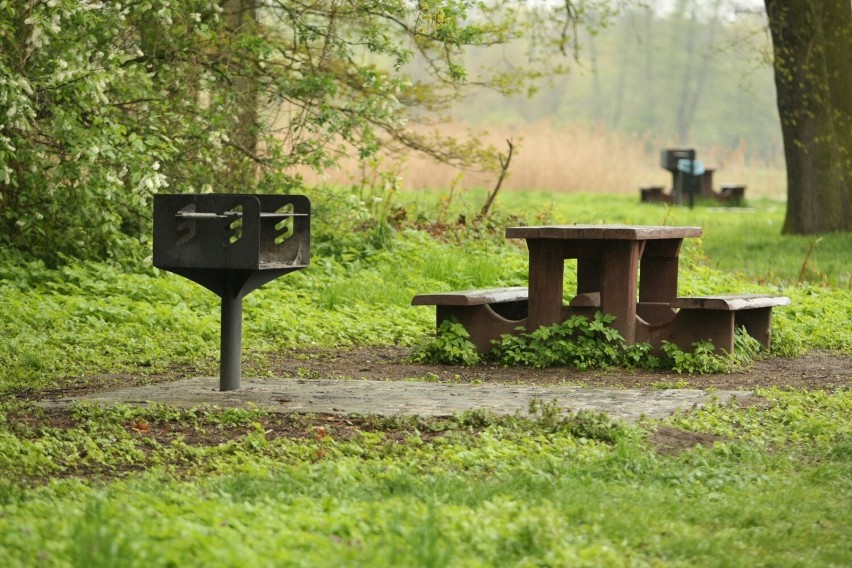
(451, 345)
(592, 344)
(585, 424)
(580, 342)
(584, 344)
(95, 120)
(108, 103)
(700, 359)
(555, 488)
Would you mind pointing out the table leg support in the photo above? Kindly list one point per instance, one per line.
(619, 285)
(547, 268)
(658, 271)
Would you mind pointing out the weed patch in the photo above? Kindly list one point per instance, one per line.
(451, 345)
(584, 344)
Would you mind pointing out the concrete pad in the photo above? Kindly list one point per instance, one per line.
(344, 397)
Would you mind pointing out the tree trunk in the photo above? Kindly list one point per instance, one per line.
(241, 19)
(812, 48)
(695, 73)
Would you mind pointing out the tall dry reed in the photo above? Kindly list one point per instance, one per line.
(570, 158)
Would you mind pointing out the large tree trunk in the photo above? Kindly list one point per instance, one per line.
(812, 45)
(241, 19)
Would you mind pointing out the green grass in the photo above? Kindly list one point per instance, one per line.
(123, 486)
(741, 239)
(472, 491)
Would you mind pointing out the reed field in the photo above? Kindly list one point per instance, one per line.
(569, 159)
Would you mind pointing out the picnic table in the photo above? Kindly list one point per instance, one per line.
(613, 263)
(626, 271)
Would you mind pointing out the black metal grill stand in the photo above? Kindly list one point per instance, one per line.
(231, 245)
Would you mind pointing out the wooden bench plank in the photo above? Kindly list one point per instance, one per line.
(472, 297)
(731, 303)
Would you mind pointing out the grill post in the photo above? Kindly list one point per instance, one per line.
(231, 341)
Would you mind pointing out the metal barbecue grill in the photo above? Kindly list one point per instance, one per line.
(231, 245)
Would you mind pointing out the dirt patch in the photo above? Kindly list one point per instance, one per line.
(817, 370)
(670, 441)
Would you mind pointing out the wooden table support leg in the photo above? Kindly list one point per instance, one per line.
(658, 271)
(588, 275)
(619, 284)
(547, 268)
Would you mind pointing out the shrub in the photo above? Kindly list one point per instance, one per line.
(451, 345)
(584, 344)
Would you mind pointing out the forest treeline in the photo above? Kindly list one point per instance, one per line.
(698, 75)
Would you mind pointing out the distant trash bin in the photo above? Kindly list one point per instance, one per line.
(686, 172)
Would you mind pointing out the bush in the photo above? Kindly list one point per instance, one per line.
(451, 345)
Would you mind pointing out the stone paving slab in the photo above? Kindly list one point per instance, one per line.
(344, 397)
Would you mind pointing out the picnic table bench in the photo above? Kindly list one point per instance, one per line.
(486, 313)
(716, 318)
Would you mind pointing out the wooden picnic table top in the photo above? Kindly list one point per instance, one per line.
(602, 232)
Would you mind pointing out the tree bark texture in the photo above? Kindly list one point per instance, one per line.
(241, 18)
(812, 48)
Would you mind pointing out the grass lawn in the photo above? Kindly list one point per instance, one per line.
(159, 486)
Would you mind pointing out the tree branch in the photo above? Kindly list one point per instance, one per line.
(504, 168)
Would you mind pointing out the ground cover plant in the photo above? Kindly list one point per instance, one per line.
(583, 343)
(586, 352)
(70, 322)
(161, 487)
(767, 482)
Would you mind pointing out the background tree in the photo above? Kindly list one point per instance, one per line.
(105, 104)
(812, 47)
(648, 81)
